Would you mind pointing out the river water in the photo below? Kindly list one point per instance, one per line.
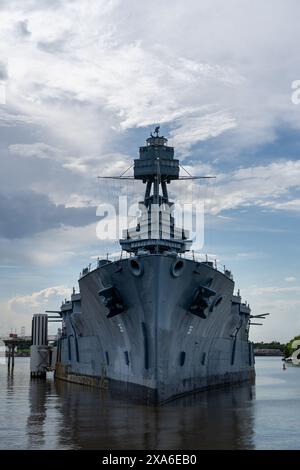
(58, 415)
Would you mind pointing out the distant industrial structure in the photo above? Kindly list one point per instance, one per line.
(267, 352)
(18, 346)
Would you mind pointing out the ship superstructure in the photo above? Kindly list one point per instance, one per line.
(155, 325)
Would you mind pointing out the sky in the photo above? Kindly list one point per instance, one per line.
(83, 82)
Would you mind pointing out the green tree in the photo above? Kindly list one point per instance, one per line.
(272, 345)
(288, 350)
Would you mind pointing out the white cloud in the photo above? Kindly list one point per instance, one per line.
(276, 290)
(283, 304)
(18, 310)
(284, 321)
(266, 186)
(191, 130)
(9, 119)
(38, 302)
(257, 186)
(56, 248)
(135, 71)
(290, 279)
(88, 70)
(293, 205)
(36, 150)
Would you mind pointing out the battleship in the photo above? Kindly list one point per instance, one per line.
(157, 324)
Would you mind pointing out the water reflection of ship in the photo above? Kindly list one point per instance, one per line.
(38, 434)
(219, 419)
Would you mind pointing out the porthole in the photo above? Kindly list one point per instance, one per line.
(177, 268)
(136, 267)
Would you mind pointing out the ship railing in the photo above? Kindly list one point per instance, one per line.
(199, 257)
(101, 260)
(209, 259)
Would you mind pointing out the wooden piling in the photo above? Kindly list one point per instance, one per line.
(13, 356)
(9, 355)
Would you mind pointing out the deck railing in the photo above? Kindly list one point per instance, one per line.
(117, 256)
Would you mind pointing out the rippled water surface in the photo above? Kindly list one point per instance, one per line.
(58, 415)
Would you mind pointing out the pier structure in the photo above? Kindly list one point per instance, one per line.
(12, 343)
(42, 354)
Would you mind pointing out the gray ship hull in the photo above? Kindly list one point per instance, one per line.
(132, 329)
